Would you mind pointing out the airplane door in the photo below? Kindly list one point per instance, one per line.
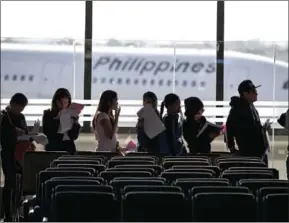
(49, 82)
(235, 75)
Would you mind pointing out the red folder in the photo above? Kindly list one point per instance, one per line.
(21, 148)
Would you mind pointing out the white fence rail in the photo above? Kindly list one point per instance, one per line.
(129, 108)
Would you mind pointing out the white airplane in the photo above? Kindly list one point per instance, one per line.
(38, 70)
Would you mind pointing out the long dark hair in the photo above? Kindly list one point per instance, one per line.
(60, 93)
(105, 101)
(169, 100)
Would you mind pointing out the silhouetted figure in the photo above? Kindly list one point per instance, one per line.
(13, 124)
(51, 123)
(244, 125)
(193, 124)
(173, 122)
(144, 143)
(105, 123)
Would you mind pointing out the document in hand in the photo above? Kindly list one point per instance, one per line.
(209, 128)
(76, 106)
(266, 135)
(66, 115)
(39, 138)
(152, 122)
(66, 121)
(23, 138)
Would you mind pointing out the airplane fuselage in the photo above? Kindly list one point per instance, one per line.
(38, 70)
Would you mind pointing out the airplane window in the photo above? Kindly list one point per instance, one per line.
(152, 81)
(6, 77)
(22, 78)
(161, 82)
(111, 81)
(185, 83)
(127, 81)
(31, 77)
(176, 82)
(193, 83)
(203, 84)
(103, 80)
(169, 83)
(119, 80)
(94, 79)
(135, 81)
(144, 81)
(14, 78)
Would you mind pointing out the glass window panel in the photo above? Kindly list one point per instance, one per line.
(156, 35)
(257, 33)
(43, 35)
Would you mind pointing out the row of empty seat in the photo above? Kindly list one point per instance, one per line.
(149, 188)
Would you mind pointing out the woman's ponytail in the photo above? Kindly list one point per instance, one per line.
(162, 109)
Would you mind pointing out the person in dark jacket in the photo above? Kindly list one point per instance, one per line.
(173, 122)
(145, 144)
(284, 122)
(244, 125)
(13, 124)
(194, 109)
(51, 122)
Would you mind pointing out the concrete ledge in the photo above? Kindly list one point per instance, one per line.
(130, 130)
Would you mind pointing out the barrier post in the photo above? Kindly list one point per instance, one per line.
(87, 58)
(220, 53)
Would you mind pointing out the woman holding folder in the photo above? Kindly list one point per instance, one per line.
(145, 143)
(196, 131)
(58, 141)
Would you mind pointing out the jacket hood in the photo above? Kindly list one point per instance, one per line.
(235, 101)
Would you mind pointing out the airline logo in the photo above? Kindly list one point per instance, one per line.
(143, 66)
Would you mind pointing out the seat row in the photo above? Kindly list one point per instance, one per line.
(121, 179)
(85, 199)
(236, 168)
(166, 162)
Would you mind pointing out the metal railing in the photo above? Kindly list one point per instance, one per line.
(129, 108)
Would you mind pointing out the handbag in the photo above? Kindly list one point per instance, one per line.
(21, 146)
